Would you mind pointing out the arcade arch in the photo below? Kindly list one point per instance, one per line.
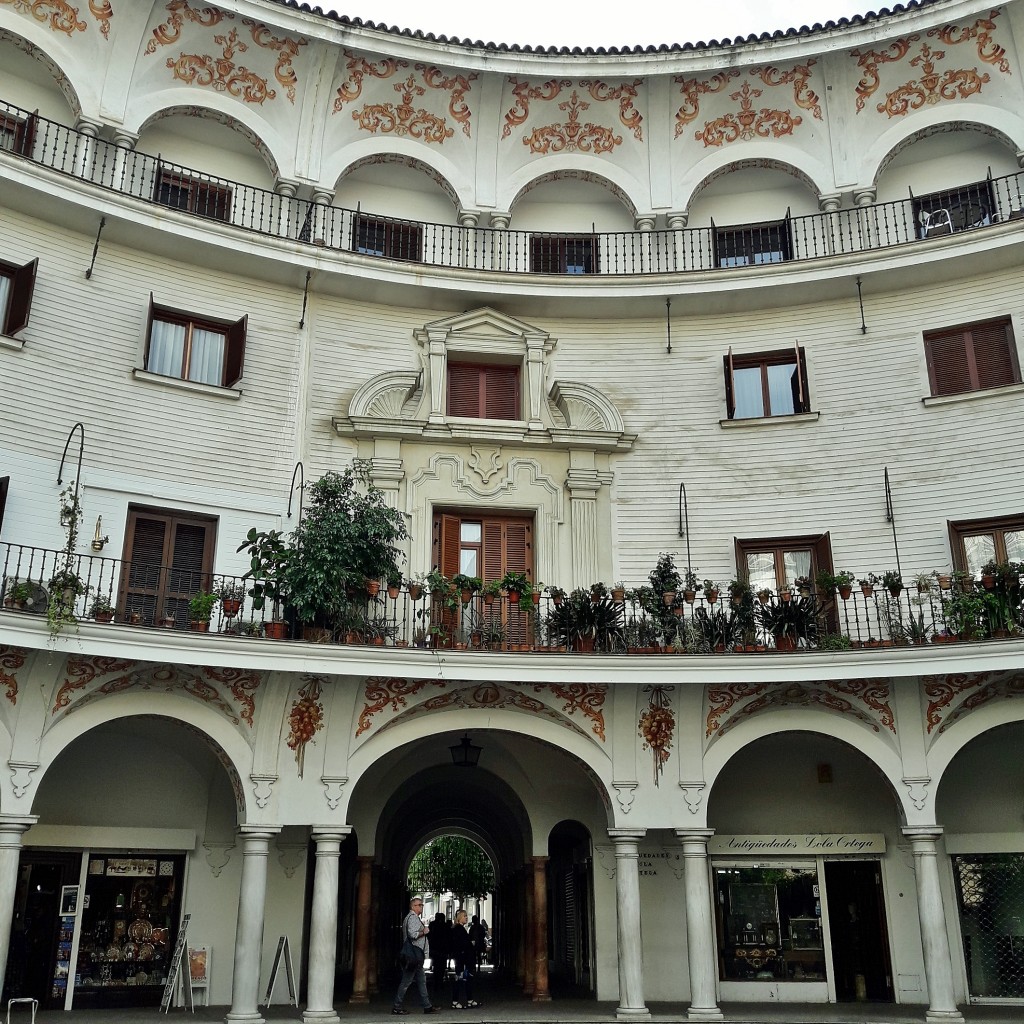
(30, 79)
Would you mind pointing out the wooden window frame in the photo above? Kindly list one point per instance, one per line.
(489, 394)
(747, 242)
(234, 340)
(997, 526)
(15, 316)
(22, 131)
(779, 357)
(202, 197)
(5, 488)
(940, 379)
(445, 534)
(399, 239)
(164, 591)
(564, 254)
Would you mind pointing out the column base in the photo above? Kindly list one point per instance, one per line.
(704, 1013)
(360, 1000)
(944, 1017)
(244, 1018)
(542, 997)
(321, 1017)
(632, 1013)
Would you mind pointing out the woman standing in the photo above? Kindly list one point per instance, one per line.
(461, 951)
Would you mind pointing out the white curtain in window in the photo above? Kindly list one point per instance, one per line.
(798, 563)
(781, 381)
(5, 297)
(761, 570)
(979, 549)
(166, 348)
(1014, 540)
(747, 399)
(207, 362)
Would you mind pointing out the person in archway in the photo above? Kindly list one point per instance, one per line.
(464, 955)
(477, 936)
(440, 931)
(414, 951)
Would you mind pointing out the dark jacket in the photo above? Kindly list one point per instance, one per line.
(461, 949)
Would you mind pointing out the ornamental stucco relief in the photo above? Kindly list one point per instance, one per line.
(228, 690)
(657, 725)
(952, 697)
(222, 73)
(60, 16)
(11, 659)
(751, 120)
(404, 117)
(866, 700)
(573, 134)
(931, 83)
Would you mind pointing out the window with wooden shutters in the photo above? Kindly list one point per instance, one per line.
(488, 547)
(977, 541)
(483, 391)
(17, 285)
(195, 195)
(393, 239)
(192, 348)
(17, 134)
(168, 558)
(972, 357)
(766, 384)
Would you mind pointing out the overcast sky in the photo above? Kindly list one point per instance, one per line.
(644, 22)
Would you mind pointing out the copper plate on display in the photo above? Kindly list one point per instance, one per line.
(146, 951)
(130, 951)
(140, 930)
(113, 952)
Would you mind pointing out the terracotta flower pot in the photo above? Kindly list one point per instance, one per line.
(275, 630)
(415, 591)
(230, 607)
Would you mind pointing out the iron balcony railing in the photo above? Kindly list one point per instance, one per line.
(602, 254)
(40, 582)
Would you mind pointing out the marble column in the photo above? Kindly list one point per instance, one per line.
(529, 931)
(700, 929)
(86, 146)
(364, 914)
(285, 226)
(252, 899)
(541, 993)
(375, 896)
(11, 830)
(319, 213)
(627, 906)
(123, 172)
(938, 964)
(323, 927)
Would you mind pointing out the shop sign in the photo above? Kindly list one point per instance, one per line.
(853, 843)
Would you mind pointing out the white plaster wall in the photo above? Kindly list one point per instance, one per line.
(27, 84)
(394, 191)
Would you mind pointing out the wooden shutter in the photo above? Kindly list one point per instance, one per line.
(234, 351)
(948, 369)
(501, 392)
(5, 486)
(464, 390)
(451, 535)
(994, 354)
(149, 333)
(23, 282)
(801, 400)
(26, 135)
(730, 402)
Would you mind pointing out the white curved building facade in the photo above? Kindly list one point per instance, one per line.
(752, 303)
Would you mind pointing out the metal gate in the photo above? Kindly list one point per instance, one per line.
(990, 895)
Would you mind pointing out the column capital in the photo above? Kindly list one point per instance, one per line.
(677, 219)
(697, 835)
(330, 832)
(829, 202)
(500, 220)
(13, 827)
(644, 221)
(323, 196)
(124, 139)
(286, 187)
(583, 483)
(89, 127)
(252, 832)
(469, 218)
(923, 833)
(864, 196)
(626, 836)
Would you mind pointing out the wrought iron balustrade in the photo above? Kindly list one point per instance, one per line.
(148, 595)
(599, 254)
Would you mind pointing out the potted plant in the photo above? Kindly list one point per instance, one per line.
(598, 591)
(557, 595)
(834, 642)
(491, 591)
(230, 592)
(691, 586)
(963, 614)
(200, 610)
(867, 584)
(923, 582)
(516, 585)
(416, 587)
(664, 578)
(467, 586)
(892, 580)
(394, 582)
(167, 619)
(803, 585)
(18, 595)
(739, 590)
(101, 609)
(764, 595)
(791, 622)
(619, 593)
(944, 580)
(711, 590)
(269, 557)
(492, 632)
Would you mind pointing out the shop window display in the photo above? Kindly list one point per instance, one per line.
(129, 926)
(769, 924)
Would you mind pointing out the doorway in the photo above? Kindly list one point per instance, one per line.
(861, 964)
(31, 962)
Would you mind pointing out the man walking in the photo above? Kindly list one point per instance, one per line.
(414, 940)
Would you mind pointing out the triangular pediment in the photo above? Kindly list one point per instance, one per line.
(483, 322)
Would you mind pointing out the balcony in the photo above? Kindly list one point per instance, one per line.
(42, 584)
(599, 255)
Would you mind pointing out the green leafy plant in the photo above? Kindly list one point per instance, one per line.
(200, 606)
(101, 606)
(664, 577)
(516, 583)
(227, 589)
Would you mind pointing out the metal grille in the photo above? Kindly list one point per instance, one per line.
(990, 894)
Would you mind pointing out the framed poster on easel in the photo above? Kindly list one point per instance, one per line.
(179, 967)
